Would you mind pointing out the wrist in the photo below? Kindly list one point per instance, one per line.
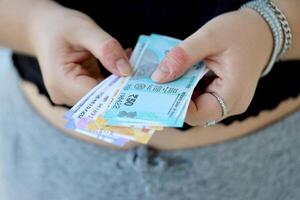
(279, 25)
(264, 37)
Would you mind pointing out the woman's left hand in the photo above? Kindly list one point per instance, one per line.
(236, 46)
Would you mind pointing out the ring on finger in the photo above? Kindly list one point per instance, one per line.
(210, 123)
(223, 109)
(221, 103)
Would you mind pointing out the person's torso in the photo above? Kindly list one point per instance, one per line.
(126, 20)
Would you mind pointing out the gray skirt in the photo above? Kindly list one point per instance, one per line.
(37, 162)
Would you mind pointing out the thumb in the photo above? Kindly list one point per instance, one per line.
(105, 48)
(190, 51)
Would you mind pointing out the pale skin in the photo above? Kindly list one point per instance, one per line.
(236, 46)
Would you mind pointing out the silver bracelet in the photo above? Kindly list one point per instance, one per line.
(262, 8)
(286, 28)
(272, 15)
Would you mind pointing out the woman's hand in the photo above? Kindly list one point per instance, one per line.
(236, 46)
(67, 44)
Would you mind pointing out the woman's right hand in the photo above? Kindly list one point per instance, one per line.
(67, 44)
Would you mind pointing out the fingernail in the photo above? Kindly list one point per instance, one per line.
(160, 73)
(123, 67)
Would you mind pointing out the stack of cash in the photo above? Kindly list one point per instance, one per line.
(123, 109)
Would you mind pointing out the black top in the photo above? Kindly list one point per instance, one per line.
(126, 20)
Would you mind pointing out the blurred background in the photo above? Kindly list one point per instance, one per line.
(5, 60)
(5, 64)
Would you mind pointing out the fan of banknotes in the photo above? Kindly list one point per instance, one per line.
(123, 109)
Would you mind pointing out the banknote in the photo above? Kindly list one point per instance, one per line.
(105, 136)
(130, 134)
(84, 99)
(89, 119)
(91, 103)
(141, 99)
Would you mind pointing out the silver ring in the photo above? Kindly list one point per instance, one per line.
(222, 103)
(210, 123)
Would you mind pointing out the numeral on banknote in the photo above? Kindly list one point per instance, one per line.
(131, 99)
